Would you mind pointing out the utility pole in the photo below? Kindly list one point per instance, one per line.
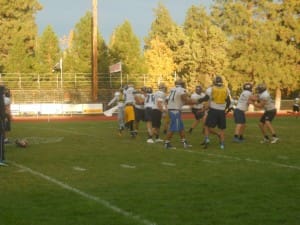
(95, 51)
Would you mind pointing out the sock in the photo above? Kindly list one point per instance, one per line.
(236, 136)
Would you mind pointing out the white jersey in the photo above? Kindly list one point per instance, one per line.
(196, 96)
(6, 101)
(242, 103)
(140, 96)
(159, 96)
(214, 103)
(129, 95)
(174, 98)
(269, 102)
(149, 101)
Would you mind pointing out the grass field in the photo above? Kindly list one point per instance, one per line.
(83, 173)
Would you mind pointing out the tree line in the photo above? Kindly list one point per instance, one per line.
(242, 40)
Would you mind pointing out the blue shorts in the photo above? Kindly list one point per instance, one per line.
(176, 123)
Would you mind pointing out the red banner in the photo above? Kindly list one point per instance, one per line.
(115, 68)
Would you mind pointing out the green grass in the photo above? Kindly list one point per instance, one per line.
(83, 173)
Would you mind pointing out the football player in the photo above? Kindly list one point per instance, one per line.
(176, 99)
(265, 101)
(239, 112)
(198, 109)
(219, 102)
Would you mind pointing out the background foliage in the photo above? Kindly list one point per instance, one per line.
(253, 41)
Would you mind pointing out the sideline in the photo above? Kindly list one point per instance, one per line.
(104, 203)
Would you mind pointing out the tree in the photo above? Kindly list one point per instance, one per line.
(79, 53)
(208, 46)
(48, 51)
(125, 47)
(160, 62)
(17, 25)
(161, 26)
(262, 36)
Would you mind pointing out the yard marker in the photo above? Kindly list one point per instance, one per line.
(127, 166)
(168, 164)
(85, 195)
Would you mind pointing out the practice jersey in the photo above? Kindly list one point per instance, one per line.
(296, 102)
(217, 97)
(242, 103)
(269, 102)
(129, 95)
(141, 97)
(174, 98)
(149, 100)
(159, 96)
(196, 96)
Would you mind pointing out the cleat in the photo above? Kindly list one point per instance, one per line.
(2, 163)
(274, 140)
(265, 140)
(237, 140)
(150, 141)
(169, 146)
(158, 140)
(186, 144)
(222, 146)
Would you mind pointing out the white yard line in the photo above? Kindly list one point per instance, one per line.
(241, 159)
(104, 203)
(168, 164)
(127, 166)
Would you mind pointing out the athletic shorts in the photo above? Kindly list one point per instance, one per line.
(148, 114)
(156, 118)
(139, 114)
(129, 113)
(215, 118)
(295, 108)
(198, 113)
(176, 123)
(268, 116)
(239, 116)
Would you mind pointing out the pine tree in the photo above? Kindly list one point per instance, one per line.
(125, 47)
(17, 24)
(48, 51)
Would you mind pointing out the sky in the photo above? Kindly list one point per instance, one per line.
(63, 15)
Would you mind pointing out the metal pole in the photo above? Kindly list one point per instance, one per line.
(94, 51)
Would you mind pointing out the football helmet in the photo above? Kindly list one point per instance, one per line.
(218, 81)
(149, 90)
(247, 86)
(198, 89)
(162, 87)
(180, 82)
(261, 88)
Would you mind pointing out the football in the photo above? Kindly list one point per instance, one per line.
(21, 143)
